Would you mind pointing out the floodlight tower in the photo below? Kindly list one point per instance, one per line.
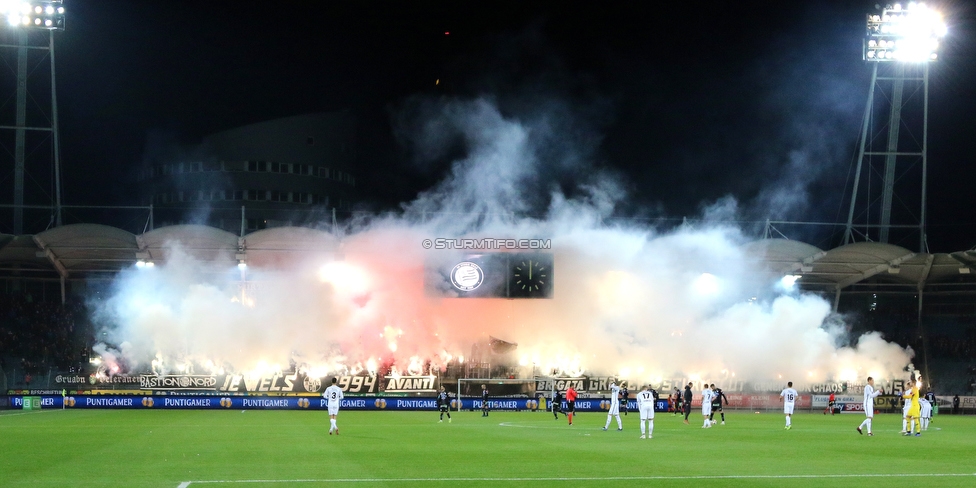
(901, 42)
(25, 19)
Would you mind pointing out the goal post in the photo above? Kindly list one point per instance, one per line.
(513, 388)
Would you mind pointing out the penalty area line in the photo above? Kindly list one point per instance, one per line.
(185, 484)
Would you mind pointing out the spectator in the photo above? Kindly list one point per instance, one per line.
(955, 404)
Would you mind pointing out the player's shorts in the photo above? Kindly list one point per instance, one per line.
(333, 409)
(623, 405)
(831, 404)
(571, 406)
(443, 408)
(716, 407)
(706, 409)
(647, 412)
(788, 408)
(614, 409)
(869, 411)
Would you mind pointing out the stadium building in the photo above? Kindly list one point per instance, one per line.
(279, 172)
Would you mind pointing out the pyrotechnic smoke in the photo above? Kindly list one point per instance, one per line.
(629, 300)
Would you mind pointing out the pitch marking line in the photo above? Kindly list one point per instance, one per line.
(32, 412)
(523, 426)
(185, 484)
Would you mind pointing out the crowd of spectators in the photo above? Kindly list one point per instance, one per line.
(40, 335)
(952, 338)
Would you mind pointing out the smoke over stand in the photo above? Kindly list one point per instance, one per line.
(629, 300)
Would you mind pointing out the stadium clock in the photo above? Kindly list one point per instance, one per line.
(530, 276)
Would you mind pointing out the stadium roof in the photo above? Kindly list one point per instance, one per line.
(852, 264)
(91, 250)
(84, 250)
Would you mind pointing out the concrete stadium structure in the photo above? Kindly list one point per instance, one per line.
(281, 171)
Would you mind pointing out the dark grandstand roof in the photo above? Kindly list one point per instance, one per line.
(81, 250)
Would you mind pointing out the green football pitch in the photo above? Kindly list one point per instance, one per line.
(172, 448)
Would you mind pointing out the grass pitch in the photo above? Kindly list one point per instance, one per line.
(168, 448)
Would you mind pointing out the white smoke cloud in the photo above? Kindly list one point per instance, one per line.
(628, 299)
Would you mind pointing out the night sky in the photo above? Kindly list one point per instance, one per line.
(689, 103)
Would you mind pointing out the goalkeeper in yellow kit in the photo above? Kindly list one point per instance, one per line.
(914, 412)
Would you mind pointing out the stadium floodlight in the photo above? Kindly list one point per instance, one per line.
(35, 14)
(707, 284)
(789, 281)
(909, 34)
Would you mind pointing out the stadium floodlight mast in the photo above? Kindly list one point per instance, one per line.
(23, 17)
(907, 38)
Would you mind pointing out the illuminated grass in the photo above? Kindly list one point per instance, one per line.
(167, 447)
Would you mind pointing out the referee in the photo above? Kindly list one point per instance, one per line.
(687, 401)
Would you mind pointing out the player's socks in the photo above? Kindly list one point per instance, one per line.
(723, 418)
(642, 429)
(605, 427)
(868, 421)
(904, 425)
(620, 425)
(650, 428)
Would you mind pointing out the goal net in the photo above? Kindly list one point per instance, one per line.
(503, 394)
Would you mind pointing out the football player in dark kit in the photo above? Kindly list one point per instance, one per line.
(557, 404)
(484, 400)
(717, 404)
(687, 401)
(624, 396)
(444, 404)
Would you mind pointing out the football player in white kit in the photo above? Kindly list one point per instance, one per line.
(645, 404)
(707, 405)
(333, 394)
(789, 396)
(926, 412)
(614, 407)
(869, 394)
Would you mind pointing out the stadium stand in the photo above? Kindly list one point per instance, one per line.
(39, 336)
